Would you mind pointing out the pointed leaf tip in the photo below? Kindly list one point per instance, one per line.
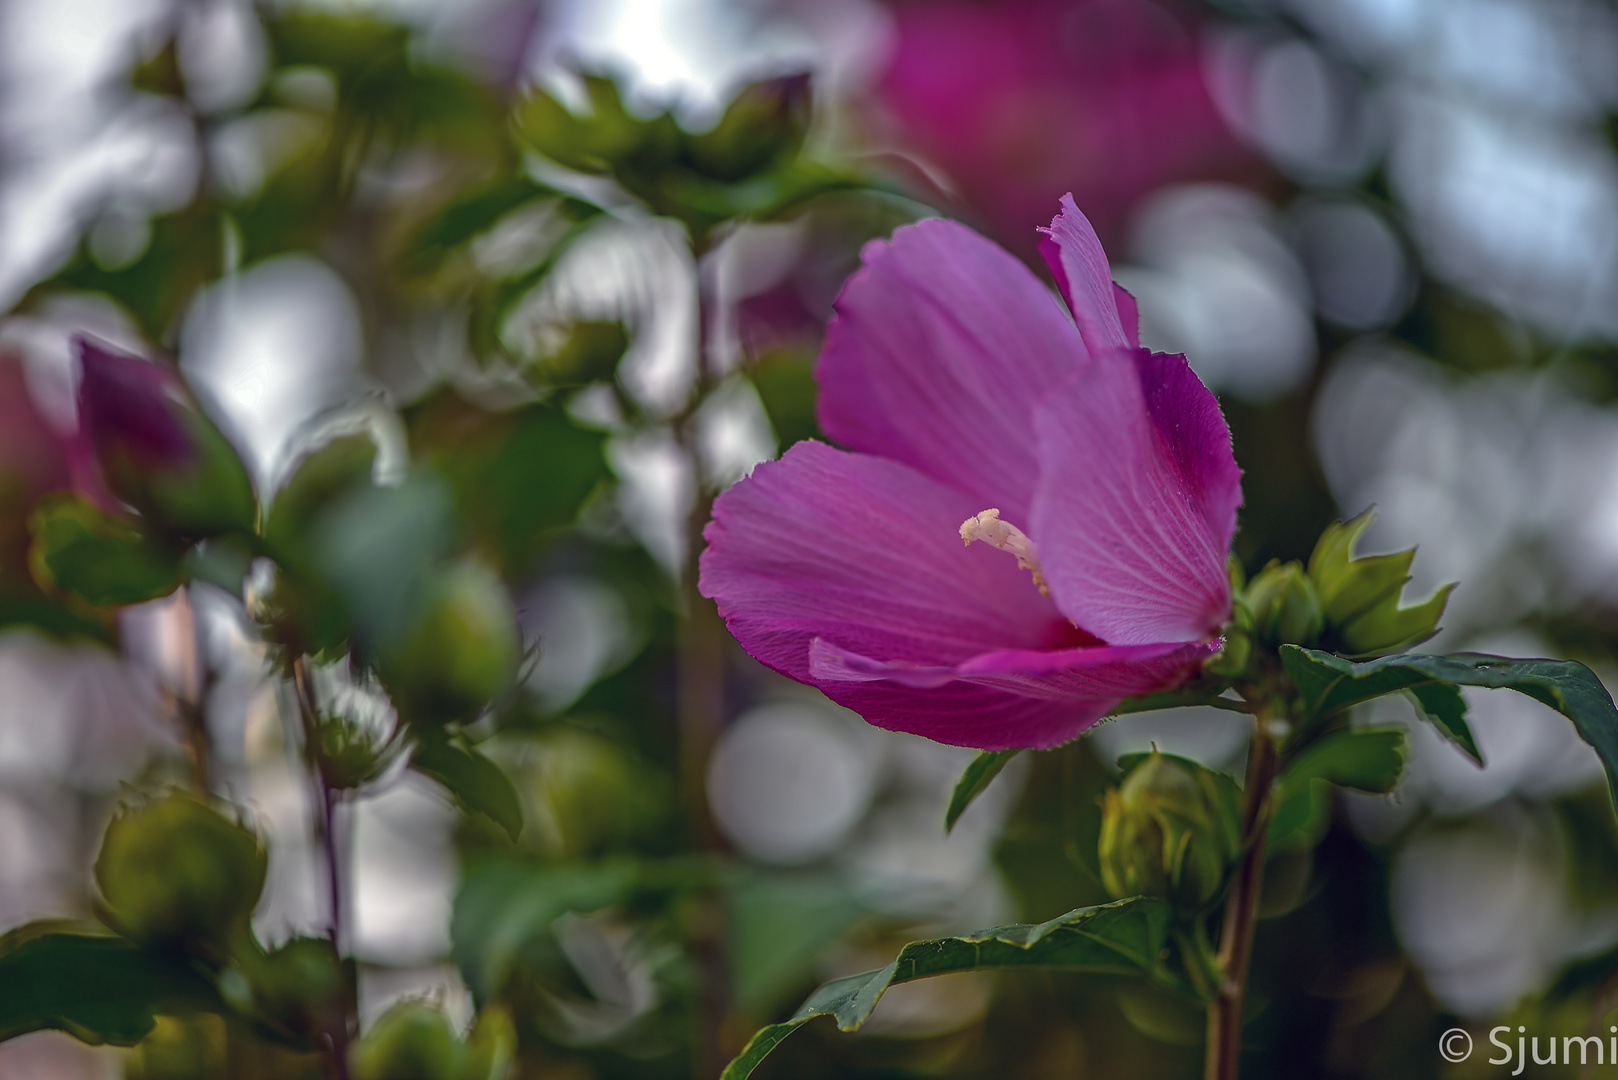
(1125, 937)
(974, 781)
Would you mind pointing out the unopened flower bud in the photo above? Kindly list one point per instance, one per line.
(413, 1040)
(156, 449)
(1284, 604)
(1171, 830)
(174, 870)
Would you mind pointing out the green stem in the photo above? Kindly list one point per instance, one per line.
(701, 706)
(326, 798)
(1241, 909)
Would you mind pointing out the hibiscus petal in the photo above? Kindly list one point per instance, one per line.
(865, 553)
(942, 347)
(1136, 501)
(1073, 252)
(1128, 314)
(1020, 697)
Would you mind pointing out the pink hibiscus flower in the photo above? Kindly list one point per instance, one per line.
(974, 407)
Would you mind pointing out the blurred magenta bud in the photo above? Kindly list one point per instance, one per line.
(155, 448)
(33, 461)
(1020, 101)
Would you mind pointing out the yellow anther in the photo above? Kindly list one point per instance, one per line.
(988, 527)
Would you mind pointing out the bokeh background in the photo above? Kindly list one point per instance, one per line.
(1384, 231)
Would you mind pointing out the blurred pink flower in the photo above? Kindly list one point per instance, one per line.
(977, 408)
(1021, 100)
(33, 460)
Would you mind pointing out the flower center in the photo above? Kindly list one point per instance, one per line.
(988, 527)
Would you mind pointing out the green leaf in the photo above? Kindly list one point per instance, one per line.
(1366, 759)
(518, 478)
(97, 988)
(104, 560)
(477, 783)
(975, 780)
(1179, 699)
(1302, 814)
(183, 255)
(1126, 937)
(378, 548)
(221, 561)
(1565, 685)
(779, 926)
(504, 904)
(320, 478)
(1328, 684)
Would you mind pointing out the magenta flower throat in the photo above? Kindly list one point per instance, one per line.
(1091, 480)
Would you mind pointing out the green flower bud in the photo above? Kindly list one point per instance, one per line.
(1360, 596)
(413, 1040)
(350, 754)
(462, 651)
(1171, 830)
(173, 871)
(298, 986)
(1284, 605)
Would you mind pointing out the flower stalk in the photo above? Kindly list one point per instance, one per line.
(1241, 907)
(326, 799)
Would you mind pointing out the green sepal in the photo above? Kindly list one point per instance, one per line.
(764, 124)
(102, 559)
(1127, 937)
(979, 774)
(1360, 595)
(607, 136)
